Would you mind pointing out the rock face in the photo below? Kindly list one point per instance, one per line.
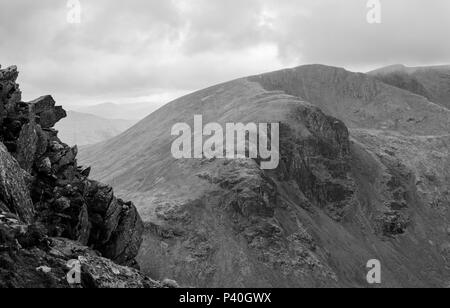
(43, 188)
(363, 175)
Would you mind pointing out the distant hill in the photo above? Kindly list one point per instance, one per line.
(84, 129)
(135, 111)
(364, 174)
(432, 82)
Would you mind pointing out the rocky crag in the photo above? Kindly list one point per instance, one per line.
(50, 211)
(431, 82)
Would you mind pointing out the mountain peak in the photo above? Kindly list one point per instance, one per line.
(351, 183)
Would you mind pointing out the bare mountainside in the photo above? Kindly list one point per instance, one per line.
(84, 129)
(132, 111)
(363, 175)
(432, 82)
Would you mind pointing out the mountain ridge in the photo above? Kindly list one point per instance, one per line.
(431, 82)
(357, 180)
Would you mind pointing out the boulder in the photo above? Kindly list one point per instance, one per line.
(48, 114)
(14, 192)
(102, 273)
(45, 166)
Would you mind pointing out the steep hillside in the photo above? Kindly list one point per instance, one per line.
(83, 129)
(339, 197)
(431, 82)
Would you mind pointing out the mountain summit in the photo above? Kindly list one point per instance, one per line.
(364, 174)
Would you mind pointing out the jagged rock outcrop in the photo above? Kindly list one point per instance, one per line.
(46, 112)
(42, 185)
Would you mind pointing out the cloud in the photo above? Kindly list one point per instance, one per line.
(337, 33)
(155, 48)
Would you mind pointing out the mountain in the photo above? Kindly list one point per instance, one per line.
(431, 82)
(53, 218)
(135, 112)
(364, 174)
(360, 100)
(83, 129)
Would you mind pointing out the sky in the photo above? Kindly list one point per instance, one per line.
(156, 50)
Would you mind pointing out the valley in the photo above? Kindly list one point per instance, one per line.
(84, 129)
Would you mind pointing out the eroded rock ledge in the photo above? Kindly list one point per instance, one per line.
(48, 204)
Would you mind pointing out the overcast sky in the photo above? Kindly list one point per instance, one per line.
(155, 50)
